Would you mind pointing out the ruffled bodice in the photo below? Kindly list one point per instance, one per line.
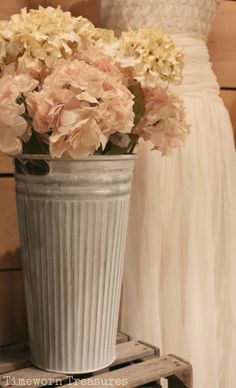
(175, 16)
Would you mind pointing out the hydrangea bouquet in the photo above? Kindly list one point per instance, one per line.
(68, 89)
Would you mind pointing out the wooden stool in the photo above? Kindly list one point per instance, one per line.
(137, 364)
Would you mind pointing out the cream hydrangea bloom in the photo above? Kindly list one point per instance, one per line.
(41, 36)
(151, 55)
(3, 25)
(106, 41)
(13, 127)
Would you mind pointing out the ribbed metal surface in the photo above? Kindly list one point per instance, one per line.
(73, 248)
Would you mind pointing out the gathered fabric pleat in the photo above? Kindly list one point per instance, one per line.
(179, 287)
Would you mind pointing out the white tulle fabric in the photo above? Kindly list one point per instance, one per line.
(180, 274)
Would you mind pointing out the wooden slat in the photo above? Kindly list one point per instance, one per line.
(222, 44)
(14, 357)
(132, 350)
(148, 371)
(13, 327)
(6, 165)
(9, 235)
(144, 372)
(17, 356)
(32, 377)
(229, 98)
(121, 337)
(184, 376)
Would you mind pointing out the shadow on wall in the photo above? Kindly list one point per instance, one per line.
(13, 325)
(10, 256)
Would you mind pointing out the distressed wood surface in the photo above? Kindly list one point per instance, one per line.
(14, 357)
(9, 235)
(145, 372)
(132, 350)
(32, 377)
(13, 326)
(17, 356)
(121, 337)
(181, 378)
(222, 44)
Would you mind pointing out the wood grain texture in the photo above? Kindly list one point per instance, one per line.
(132, 350)
(32, 377)
(222, 44)
(145, 367)
(13, 327)
(229, 98)
(17, 356)
(146, 372)
(9, 236)
(6, 165)
(121, 338)
(184, 376)
(14, 357)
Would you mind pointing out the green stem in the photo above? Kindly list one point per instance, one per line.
(133, 147)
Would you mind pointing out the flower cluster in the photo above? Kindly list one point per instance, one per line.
(151, 55)
(164, 120)
(106, 41)
(13, 126)
(32, 39)
(3, 25)
(80, 106)
(76, 90)
(75, 110)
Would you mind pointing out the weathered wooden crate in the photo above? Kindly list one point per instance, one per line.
(137, 364)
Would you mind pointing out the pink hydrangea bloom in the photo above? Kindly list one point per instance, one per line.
(45, 106)
(164, 121)
(81, 104)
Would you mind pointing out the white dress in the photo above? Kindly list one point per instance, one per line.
(180, 273)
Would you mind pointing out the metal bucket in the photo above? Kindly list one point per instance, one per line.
(73, 224)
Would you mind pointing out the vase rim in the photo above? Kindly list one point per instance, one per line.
(91, 158)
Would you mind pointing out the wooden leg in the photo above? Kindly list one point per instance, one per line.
(175, 382)
(184, 377)
(181, 380)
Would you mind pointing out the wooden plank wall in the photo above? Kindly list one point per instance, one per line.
(222, 47)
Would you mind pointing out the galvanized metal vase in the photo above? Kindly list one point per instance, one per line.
(73, 223)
